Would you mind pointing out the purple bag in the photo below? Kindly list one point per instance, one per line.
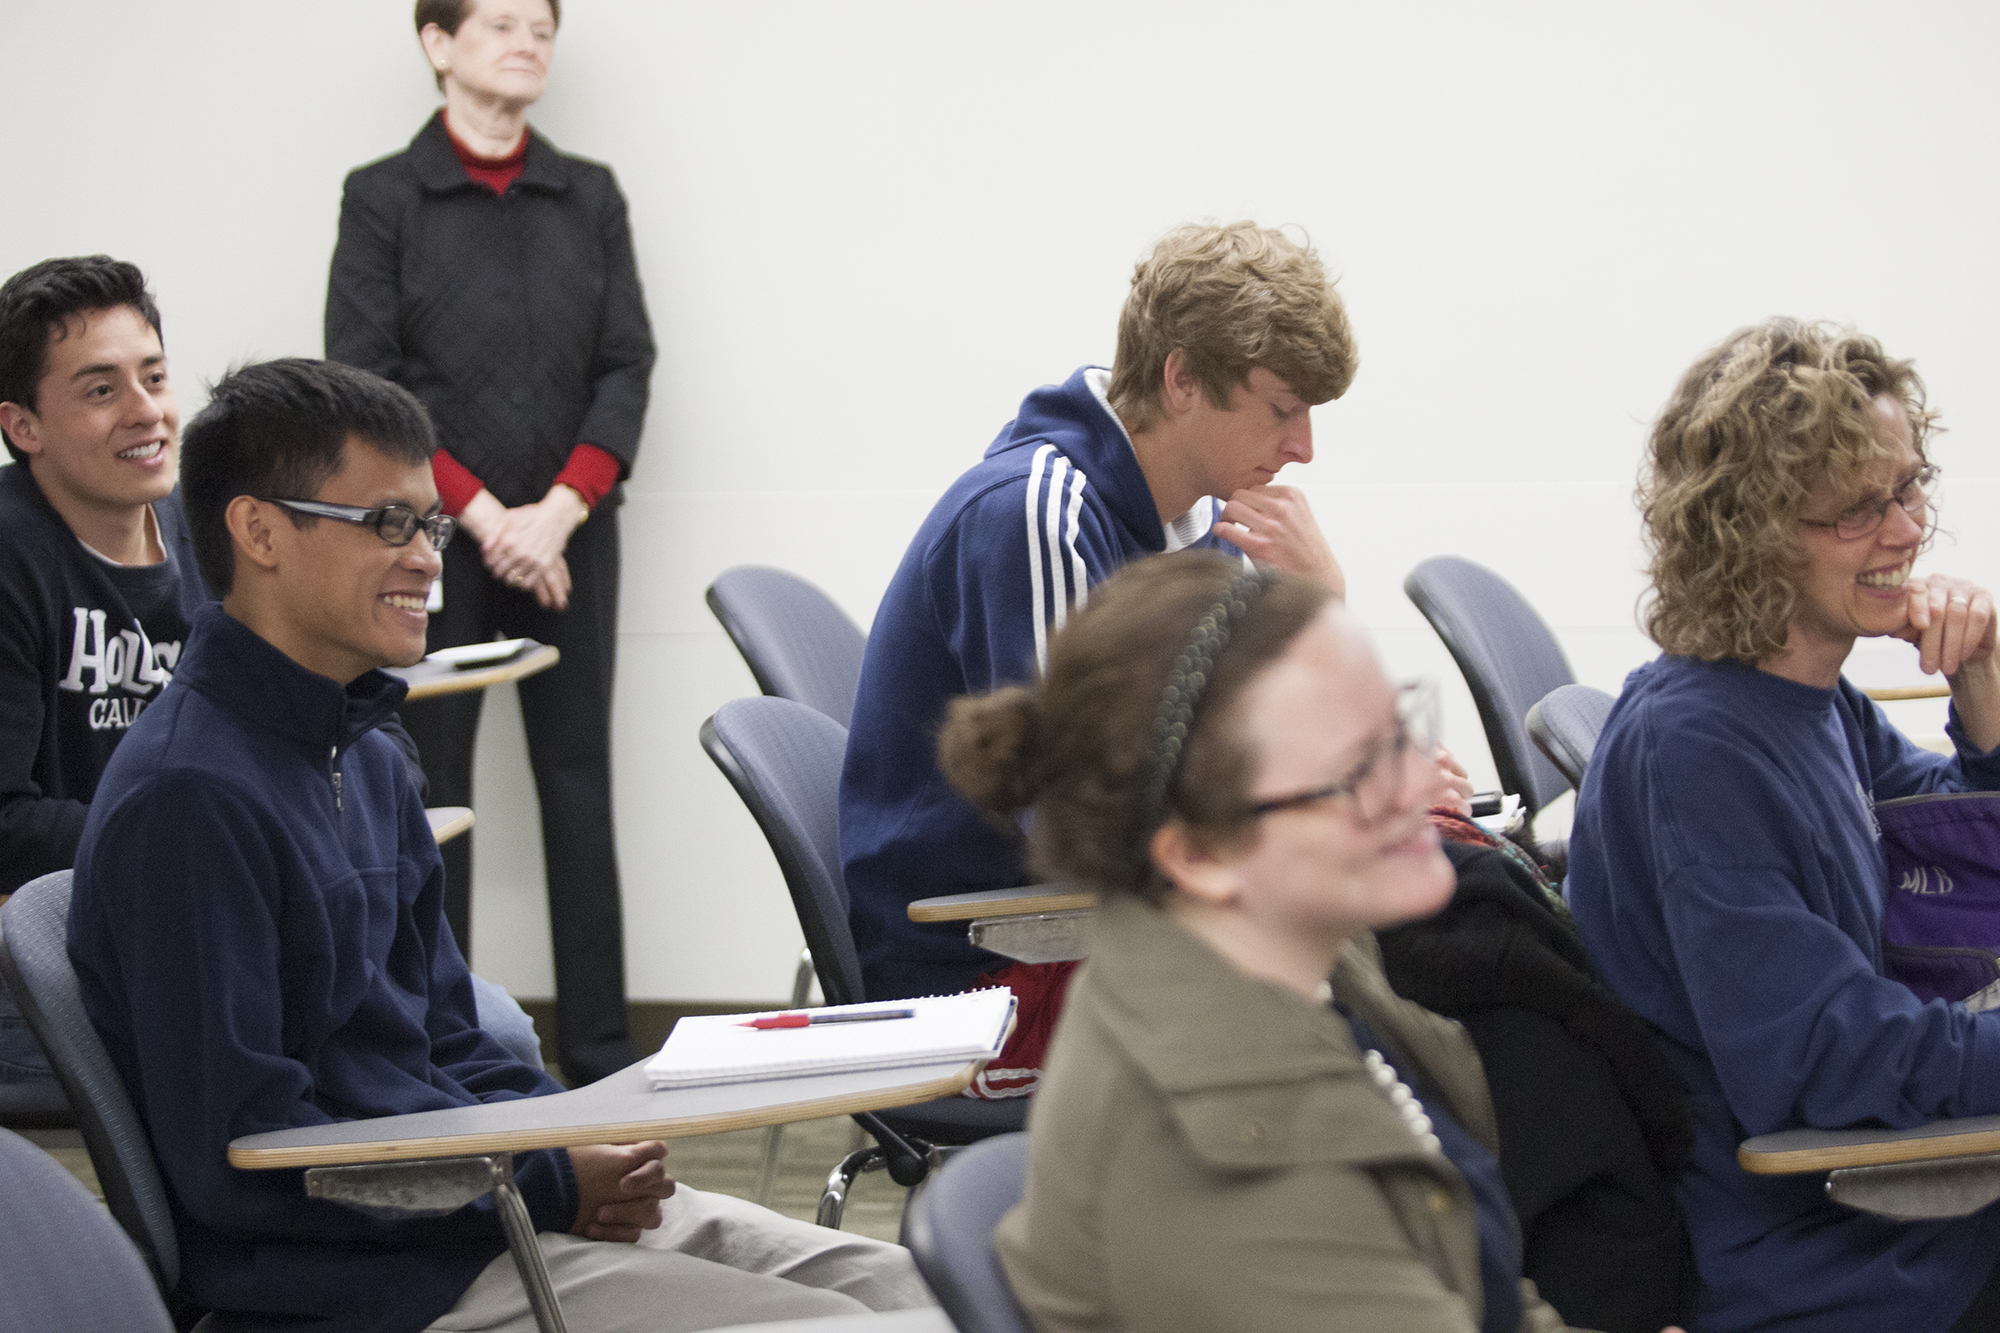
(1941, 916)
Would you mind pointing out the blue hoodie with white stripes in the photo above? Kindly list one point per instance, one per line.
(1057, 505)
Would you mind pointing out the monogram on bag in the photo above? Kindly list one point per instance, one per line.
(1941, 918)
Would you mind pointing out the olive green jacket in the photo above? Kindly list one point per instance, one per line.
(1208, 1153)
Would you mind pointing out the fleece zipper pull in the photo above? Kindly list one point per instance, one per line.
(334, 755)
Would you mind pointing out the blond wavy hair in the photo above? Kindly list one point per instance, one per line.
(1231, 298)
(1755, 425)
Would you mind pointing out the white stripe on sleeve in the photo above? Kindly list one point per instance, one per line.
(1076, 561)
(1058, 580)
(1035, 560)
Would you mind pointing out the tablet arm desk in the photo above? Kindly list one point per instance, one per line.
(1948, 1168)
(1038, 923)
(435, 1162)
(429, 679)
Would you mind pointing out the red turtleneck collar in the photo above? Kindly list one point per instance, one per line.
(495, 173)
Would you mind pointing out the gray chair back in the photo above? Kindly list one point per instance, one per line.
(1565, 727)
(783, 758)
(949, 1229)
(1509, 658)
(64, 1265)
(799, 644)
(34, 958)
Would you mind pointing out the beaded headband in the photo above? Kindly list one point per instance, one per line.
(1174, 723)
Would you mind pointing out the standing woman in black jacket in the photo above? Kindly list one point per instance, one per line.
(493, 277)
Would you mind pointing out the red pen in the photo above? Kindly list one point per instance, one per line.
(805, 1020)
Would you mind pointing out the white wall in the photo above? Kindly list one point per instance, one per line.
(866, 229)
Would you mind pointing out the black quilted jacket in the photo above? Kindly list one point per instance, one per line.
(516, 318)
(1593, 1123)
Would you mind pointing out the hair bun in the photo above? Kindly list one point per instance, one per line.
(987, 748)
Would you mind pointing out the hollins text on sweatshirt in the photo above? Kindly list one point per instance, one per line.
(86, 646)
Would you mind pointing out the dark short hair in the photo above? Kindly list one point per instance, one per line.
(280, 428)
(449, 14)
(37, 304)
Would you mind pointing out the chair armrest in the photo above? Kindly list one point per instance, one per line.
(1023, 901)
(1798, 1151)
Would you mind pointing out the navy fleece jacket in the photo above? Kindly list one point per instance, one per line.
(259, 933)
(1727, 878)
(1056, 507)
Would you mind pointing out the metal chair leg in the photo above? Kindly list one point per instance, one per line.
(436, 1186)
(907, 1160)
(833, 1199)
(528, 1261)
(767, 1174)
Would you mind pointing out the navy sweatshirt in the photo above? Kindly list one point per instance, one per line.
(85, 646)
(258, 929)
(1727, 878)
(1057, 505)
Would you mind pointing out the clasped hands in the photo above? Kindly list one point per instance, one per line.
(523, 546)
(619, 1188)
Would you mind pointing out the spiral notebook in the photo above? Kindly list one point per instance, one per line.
(718, 1048)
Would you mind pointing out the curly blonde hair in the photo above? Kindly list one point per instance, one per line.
(1754, 425)
(1230, 298)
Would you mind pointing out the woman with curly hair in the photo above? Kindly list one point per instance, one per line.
(1225, 1139)
(1726, 871)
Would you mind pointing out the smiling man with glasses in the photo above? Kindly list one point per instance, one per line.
(258, 923)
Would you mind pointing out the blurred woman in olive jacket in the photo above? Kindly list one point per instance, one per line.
(1241, 1126)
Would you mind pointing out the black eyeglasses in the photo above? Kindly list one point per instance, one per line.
(1915, 495)
(1379, 784)
(397, 525)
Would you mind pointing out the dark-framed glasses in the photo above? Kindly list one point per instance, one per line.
(1917, 495)
(1379, 784)
(397, 525)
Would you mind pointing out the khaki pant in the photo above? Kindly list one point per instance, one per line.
(714, 1262)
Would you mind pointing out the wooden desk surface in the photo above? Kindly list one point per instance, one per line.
(623, 1108)
(1796, 1151)
(1889, 693)
(430, 679)
(1023, 901)
(448, 821)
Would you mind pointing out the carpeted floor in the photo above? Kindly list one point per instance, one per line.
(725, 1162)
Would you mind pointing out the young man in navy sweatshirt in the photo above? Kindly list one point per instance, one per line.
(259, 933)
(1229, 336)
(98, 581)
